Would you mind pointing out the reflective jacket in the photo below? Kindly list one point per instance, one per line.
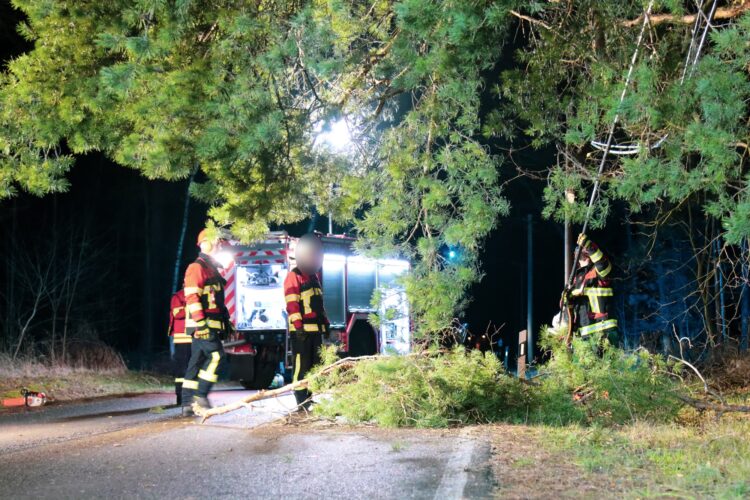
(204, 296)
(177, 319)
(592, 294)
(304, 302)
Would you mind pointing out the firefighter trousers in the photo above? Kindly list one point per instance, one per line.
(306, 354)
(206, 359)
(180, 360)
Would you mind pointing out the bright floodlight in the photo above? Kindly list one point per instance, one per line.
(452, 254)
(224, 258)
(338, 137)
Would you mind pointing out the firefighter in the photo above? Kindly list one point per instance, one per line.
(207, 321)
(590, 297)
(181, 341)
(308, 321)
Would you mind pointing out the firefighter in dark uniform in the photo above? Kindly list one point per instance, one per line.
(308, 321)
(207, 321)
(591, 295)
(181, 341)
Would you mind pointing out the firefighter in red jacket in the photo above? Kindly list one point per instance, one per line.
(308, 321)
(591, 294)
(207, 321)
(181, 341)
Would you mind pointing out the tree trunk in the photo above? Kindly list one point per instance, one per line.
(146, 313)
(183, 230)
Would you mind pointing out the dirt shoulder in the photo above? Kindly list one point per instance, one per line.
(524, 467)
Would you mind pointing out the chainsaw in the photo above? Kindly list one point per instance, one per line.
(28, 398)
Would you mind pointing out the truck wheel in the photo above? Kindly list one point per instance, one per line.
(266, 362)
(362, 339)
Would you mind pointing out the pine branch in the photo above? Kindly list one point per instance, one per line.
(537, 22)
(345, 363)
(722, 13)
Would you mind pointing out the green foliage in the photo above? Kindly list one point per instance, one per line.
(441, 389)
(616, 387)
(567, 91)
(424, 391)
(241, 89)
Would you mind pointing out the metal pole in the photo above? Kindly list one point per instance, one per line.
(530, 289)
(330, 223)
(722, 300)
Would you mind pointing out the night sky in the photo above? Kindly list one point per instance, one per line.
(137, 222)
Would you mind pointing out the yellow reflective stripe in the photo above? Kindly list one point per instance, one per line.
(179, 380)
(190, 384)
(177, 310)
(297, 364)
(182, 338)
(596, 256)
(605, 272)
(598, 292)
(598, 327)
(213, 323)
(311, 328)
(192, 290)
(307, 294)
(295, 317)
(209, 374)
(292, 297)
(191, 323)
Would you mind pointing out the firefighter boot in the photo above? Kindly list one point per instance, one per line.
(178, 392)
(303, 398)
(200, 404)
(186, 399)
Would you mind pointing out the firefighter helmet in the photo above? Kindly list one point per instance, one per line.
(309, 254)
(202, 236)
(217, 234)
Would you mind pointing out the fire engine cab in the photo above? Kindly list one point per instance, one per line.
(255, 299)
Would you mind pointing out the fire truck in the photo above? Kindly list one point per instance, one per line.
(255, 300)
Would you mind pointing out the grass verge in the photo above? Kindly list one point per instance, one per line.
(65, 382)
(84, 384)
(711, 460)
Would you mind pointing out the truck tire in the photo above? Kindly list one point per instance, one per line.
(266, 363)
(362, 339)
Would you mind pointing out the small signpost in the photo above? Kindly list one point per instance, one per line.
(521, 371)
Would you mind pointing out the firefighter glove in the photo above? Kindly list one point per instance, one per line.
(583, 240)
(565, 299)
(327, 332)
(201, 330)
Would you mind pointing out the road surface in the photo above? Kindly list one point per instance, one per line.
(140, 447)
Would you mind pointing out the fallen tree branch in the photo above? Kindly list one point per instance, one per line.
(679, 360)
(722, 13)
(705, 405)
(300, 384)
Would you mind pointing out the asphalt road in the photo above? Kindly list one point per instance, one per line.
(138, 447)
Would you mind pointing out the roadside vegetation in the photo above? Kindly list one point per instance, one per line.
(439, 388)
(587, 425)
(91, 371)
